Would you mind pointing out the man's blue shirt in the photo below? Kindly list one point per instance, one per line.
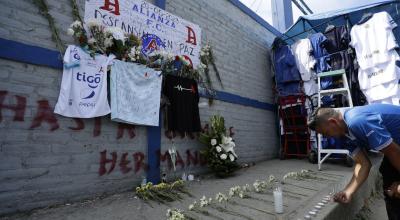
(372, 127)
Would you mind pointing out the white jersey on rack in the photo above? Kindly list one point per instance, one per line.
(373, 40)
(380, 74)
(83, 92)
(384, 91)
(391, 101)
(305, 62)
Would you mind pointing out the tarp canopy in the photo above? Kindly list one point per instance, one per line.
(314, 23)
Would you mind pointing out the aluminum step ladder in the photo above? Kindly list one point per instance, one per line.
(345, 91)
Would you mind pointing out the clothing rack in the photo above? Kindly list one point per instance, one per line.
(346, 16)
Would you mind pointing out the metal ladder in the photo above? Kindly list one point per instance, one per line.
(345, 91)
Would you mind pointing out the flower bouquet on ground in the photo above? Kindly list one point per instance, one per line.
(163, 192)
(219, 153)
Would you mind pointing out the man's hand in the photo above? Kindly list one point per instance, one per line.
(342, 197)
(394, 190)
(360, 174)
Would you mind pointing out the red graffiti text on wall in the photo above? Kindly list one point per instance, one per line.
(45, 115)
(134, 162)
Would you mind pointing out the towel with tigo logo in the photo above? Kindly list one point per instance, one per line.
(135, 94)
(83, 92)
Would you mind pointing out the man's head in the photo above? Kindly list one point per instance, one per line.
(328, 122)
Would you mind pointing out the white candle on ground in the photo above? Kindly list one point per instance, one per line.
(278, 200)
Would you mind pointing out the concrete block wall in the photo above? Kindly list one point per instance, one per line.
(46, 159)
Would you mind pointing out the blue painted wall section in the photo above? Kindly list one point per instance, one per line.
(154, 138)
(161, 4)
(153, 150)
(236, 99)
(25, 53)
(254, 16)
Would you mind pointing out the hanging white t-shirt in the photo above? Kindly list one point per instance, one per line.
(310, 87)
(379, 74)
(83, 92)
(383, 91)
(373, 40)
(394, 100)
(135, 93)
(391, 101)
(305, 62)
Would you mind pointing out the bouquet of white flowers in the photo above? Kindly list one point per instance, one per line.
(220, 153)
(97, 38)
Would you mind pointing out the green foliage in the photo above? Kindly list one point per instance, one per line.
(163, 192)
(55, 36)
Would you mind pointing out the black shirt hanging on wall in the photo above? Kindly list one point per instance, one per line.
(183, 111)
(338, 39)
(342, 57)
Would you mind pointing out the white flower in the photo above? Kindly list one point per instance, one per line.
(231, 157)
(203, 201)
(226, 140)
(175, 214)
(134, 53)
(170, 56)
(70, 32)
(108, 42)
(213, 142)
(92, 23)
(257, 186)
(221, 197)
(218, 148)
(228, 145)
(191, 207)
(223, 156)
(91, 41)
(118, 34)
(271, 179)
(76, 24)
(304, 171)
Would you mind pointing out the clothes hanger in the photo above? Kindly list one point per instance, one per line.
(329, 27)
(365, 17)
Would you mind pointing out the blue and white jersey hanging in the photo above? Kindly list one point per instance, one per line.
(83, 92)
